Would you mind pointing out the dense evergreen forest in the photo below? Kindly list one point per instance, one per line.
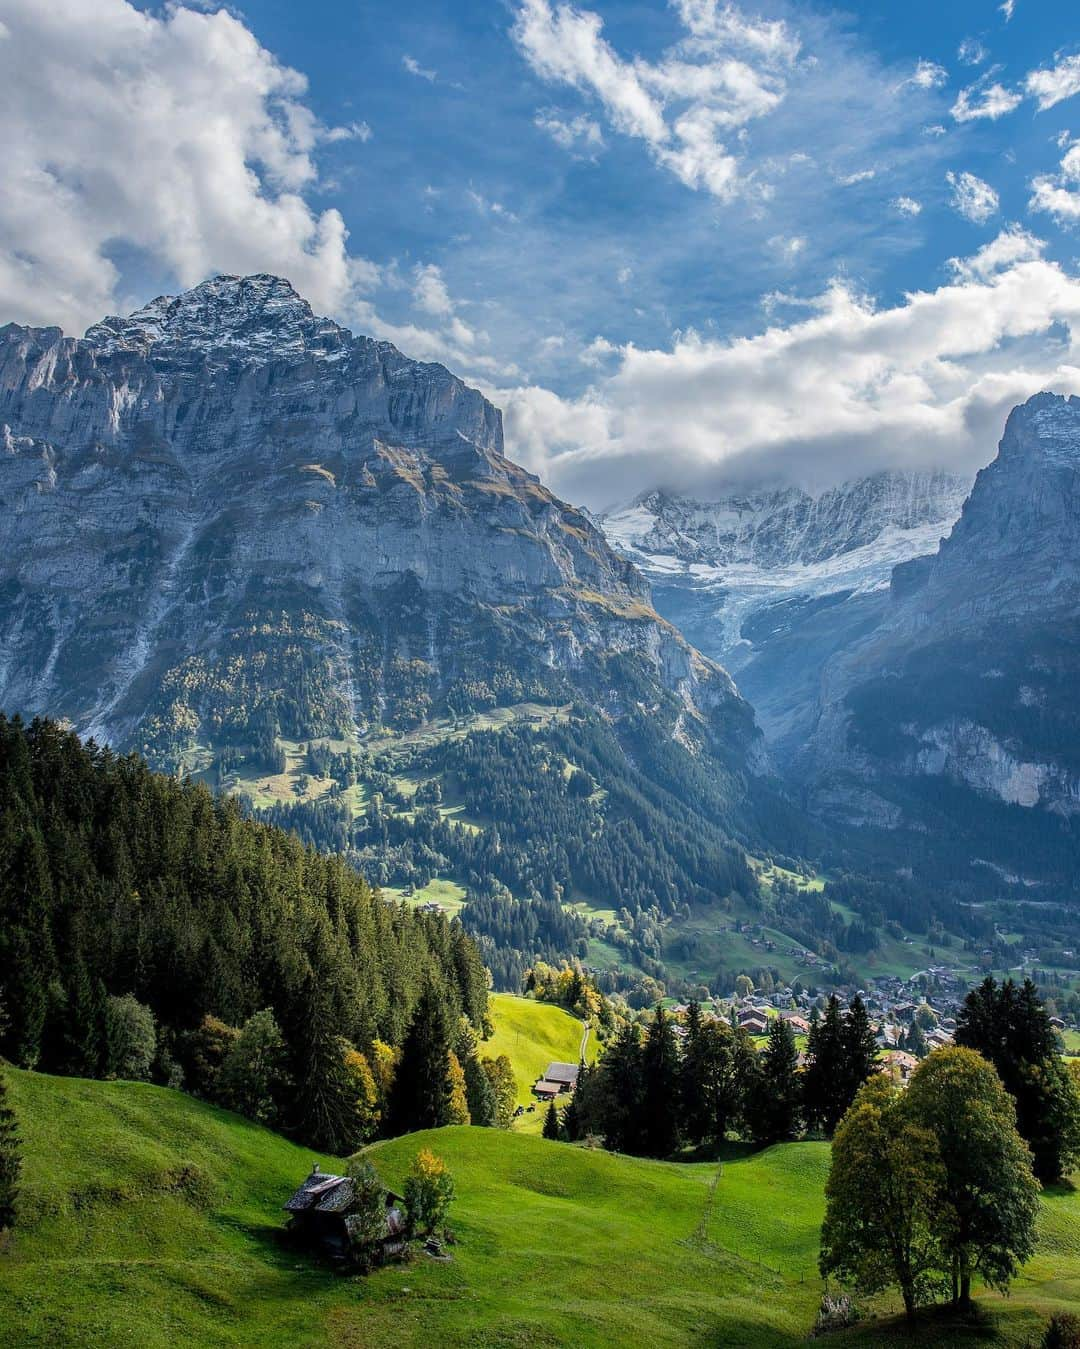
(130, 899)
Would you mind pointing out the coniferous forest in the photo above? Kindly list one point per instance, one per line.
(143, 921)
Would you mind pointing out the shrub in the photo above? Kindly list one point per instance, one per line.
(429, 1192)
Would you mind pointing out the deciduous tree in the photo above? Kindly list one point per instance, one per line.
(881, 1224)
(987, 1194)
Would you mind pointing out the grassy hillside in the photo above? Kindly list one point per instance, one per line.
(153, 1219)
(534, 1034)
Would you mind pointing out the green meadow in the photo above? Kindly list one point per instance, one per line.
(152, 1219)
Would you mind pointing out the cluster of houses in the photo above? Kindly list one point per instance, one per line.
(559, 1079)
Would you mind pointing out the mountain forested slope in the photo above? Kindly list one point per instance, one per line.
(116, 881)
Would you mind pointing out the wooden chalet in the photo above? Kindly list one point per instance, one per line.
(321, 1214)
(558, 1078)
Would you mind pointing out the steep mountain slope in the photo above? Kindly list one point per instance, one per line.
(223, 495)
(773, 582)
(956, 716)
(254, 546)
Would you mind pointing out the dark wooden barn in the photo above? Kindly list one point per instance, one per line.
(320, 1212)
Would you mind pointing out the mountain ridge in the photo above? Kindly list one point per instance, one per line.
(157, 428)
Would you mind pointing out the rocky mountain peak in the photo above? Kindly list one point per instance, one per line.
(253, 318)
(1048, 424)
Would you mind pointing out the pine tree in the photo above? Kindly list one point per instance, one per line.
(570, 1121)
(660, 1088)
(775, 1094)
(420, 1098)
(551, 1123)
(1012, 1029)
(10, 1161)
(824, 1081)
(860, 1050)
(479, 1095)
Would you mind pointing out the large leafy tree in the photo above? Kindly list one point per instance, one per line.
(881, 1224)
(1011, 1027)
(986, 1193)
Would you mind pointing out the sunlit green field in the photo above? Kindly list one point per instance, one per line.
(152, 1219)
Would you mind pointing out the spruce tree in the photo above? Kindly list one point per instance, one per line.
(1011, 1027)
(10, 1160)
(420, 1098)
(824, 1084)
(860, 1051)
(479, 1093)
(660, 1088)
(551, 1123)
(774, 1103)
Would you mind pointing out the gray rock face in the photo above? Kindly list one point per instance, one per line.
(774, 583)
(969, 677)
(227, 516)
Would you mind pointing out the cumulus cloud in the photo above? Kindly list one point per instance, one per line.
(1008, 9)
(907, 206)
(975, 200)
(1053, 85)
(848, 389)
(1012, 246)
(175, 135)
(1058, 194)
(689, 105)
(985, 101)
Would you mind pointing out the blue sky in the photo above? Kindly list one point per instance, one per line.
(451, 146)
(586, 208)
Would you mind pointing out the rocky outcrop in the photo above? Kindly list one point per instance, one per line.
(968, 679)
(227, 518)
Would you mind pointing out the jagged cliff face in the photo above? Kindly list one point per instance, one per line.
(772, 583)
(228, 518)
(960, 704)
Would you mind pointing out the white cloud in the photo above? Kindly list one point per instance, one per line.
(598, 350)
(787, 247)
(861, 176)
(413, 66)
(430, 292)
(1058, 194)
(1008, 9)
(907, 206)
(1012, 246)
(580, 135)
(975, 200)
(355, 131)
(846, 390)
(971, 52)
(984, 101)
(486, 206)
(728, 71)
(928, 75)
(176, 136)
(1052, 86)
